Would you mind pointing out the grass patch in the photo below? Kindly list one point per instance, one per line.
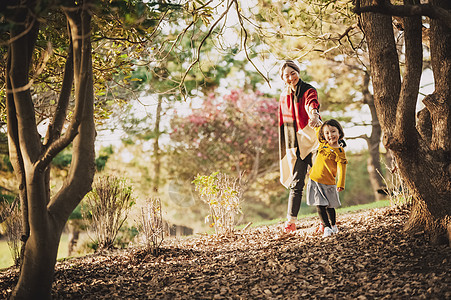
(355, 208)
(5, 255)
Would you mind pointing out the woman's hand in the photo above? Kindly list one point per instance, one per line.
(339, 189)
(314, 120)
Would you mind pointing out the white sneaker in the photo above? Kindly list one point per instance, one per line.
(327, 232)
(334, 229)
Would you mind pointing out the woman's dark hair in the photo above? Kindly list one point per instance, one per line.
(291, 64)
(334, 123)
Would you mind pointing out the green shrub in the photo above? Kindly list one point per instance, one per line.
(223, 194)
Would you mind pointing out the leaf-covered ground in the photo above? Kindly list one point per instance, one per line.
(370, 258)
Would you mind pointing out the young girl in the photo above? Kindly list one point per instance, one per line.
(322, 187)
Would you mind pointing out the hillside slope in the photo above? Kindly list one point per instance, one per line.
(370, 258)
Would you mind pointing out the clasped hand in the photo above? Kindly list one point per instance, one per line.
(314, 121)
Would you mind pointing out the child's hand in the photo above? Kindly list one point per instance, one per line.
(339, 189)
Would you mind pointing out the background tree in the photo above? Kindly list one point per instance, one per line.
(422, 145)
(235, 133)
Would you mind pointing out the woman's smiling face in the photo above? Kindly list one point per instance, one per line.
(290, 76)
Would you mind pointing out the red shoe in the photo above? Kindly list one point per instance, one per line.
(289, 227)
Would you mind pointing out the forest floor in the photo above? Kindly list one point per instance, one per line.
(370, 258)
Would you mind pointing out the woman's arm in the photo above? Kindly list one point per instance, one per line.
(312, 107)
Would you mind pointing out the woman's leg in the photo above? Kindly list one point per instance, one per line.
(322, 213)
(297, 186)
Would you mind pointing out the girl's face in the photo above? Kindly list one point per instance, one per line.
(331, 134)
(290, 76)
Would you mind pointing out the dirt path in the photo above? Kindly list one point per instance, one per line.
(370, 258)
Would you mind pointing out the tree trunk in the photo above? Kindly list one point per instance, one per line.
(36, 274)
(74, 227)
(45, 217)
(423, 160)
(156, 147)
(373, 142)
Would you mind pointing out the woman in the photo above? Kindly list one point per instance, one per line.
(298, 113)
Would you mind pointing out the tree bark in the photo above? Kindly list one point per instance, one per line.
(423, 160)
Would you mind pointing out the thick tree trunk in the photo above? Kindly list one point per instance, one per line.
(433, 209)
(422, 151)
(430, 212)
(36, 274)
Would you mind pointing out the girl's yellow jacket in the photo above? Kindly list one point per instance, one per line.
(329, 161)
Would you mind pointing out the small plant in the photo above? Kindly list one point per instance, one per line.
(150, 225)
(11, 218)
(396, 188)
(223, 195)
(108, 205)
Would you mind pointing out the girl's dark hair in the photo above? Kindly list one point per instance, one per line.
(291, 64)
(334, 123)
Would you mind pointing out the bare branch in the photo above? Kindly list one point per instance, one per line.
(5, 215)
(203, 41)
(347, 31)
(363, 136)
(245, 41)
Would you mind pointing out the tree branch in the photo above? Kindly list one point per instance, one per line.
(245, 41)
(405, 115)
(54, 144)
(82, 168)
(408, 10)
(21, 51)
(54, 130)
(362, 136)
(78, 66)
(203, 41)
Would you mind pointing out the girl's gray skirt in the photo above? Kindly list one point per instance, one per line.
(322, 194)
